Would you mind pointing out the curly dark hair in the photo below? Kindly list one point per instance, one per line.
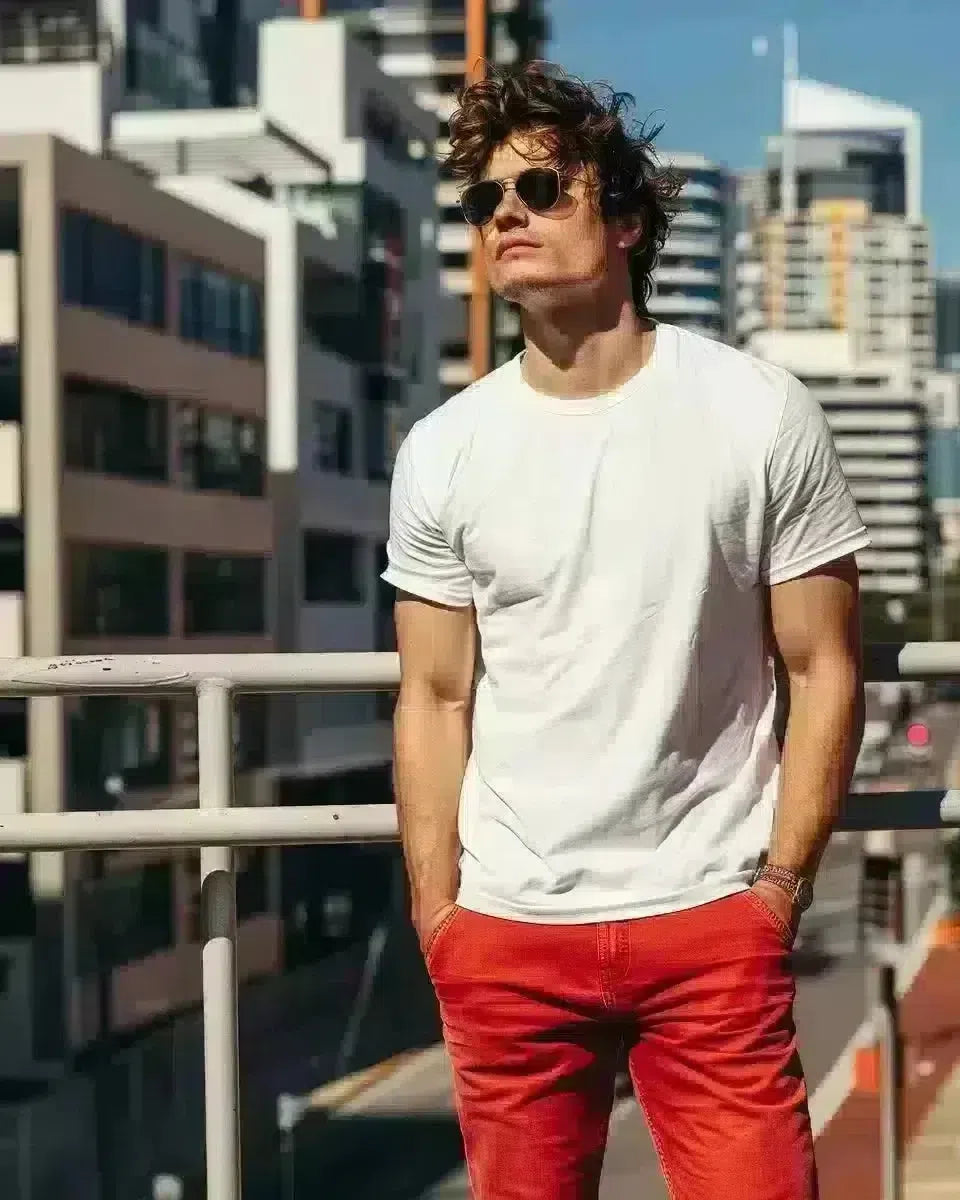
(576, 125)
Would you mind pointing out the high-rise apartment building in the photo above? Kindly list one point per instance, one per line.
(843, 246)
(135, 516)
(834, 283)
(947, 302)
(424, 43)
(693, 277)
(878, 415)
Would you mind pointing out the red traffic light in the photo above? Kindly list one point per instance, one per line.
(918, 735)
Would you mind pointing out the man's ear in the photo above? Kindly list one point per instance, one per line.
(629, 232)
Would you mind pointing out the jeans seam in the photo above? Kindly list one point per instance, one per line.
(654, 1136)
(435, 936)
(774, 918)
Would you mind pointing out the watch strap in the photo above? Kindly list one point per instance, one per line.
(798, 886)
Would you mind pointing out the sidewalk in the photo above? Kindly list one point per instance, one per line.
(933, 1164)
(848, 1149)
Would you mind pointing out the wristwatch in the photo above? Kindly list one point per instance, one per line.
(799, 887)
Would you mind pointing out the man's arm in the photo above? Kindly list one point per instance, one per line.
(432, 738)
(815, 625)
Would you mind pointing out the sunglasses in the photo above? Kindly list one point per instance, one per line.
(538, 188)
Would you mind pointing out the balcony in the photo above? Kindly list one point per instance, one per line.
(217, 826)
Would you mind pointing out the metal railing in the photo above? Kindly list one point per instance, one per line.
(216, 827)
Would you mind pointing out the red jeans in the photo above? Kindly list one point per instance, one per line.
(534, 1017)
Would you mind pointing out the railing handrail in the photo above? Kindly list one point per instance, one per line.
(119, 674)
(361, 670)
(216, 825)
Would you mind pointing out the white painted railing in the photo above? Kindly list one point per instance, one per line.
(216, 826)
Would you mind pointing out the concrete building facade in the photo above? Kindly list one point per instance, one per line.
(947, 305)
(136, 516)
(694, 275)
(424, 45)
(349, 223)
(878, 414)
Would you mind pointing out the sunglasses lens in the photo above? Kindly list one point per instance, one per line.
(479, 201)
(538, 188)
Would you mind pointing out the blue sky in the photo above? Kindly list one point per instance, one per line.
(693, 69)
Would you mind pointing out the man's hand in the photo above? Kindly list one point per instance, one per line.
(428, 922)
(780, 900)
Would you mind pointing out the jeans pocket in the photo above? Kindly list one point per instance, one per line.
(438, 935)
(772, 918)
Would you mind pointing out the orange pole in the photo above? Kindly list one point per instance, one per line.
(313, 10)
(479, 332)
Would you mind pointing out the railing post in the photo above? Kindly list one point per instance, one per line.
(891, 1082)
(218, 907)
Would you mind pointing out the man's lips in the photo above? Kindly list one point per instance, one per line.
(515, 244)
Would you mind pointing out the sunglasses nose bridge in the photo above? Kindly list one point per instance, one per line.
(508, 188)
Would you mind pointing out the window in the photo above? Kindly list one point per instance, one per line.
(112, 270)
(13, 728)
(448, 45)
(120, 592)
(383, 126)
(129, 912)
(332, 569)
(251, 882)
(224, 594)
(12, 563)
(332, 438)
(333, 313)
(60, 32)
(220, 452)
(118, 744)
(250, 730)
(114, 431)
(220, 311)
(384, 404)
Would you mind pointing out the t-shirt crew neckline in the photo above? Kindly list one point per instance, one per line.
(585, 405)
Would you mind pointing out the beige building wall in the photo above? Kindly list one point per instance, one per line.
(62, 507)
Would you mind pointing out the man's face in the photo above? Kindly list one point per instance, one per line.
(546, 256)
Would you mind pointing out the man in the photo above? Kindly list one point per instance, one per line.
(602, 550)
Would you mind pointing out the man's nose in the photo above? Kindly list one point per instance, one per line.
(509, 211)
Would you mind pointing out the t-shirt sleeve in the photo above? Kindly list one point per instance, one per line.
(420, 560)
(811, 517)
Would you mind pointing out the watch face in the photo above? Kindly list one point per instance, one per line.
(804, 894)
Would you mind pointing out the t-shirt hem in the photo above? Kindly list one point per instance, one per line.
(848, 544)
(417, 586)
(628, 910)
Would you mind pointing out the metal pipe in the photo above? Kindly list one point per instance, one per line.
(122, 674)
(251, 826)
(891, 1083)
(157, 828)
(218, 909)
(479, 332)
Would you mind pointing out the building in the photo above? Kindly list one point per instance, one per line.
(136, 516)
(834, 283)
(352, 303)
(424, 44)
(942, 395)
(877, 411)
(947, 301)
(842, 243)
(693, 278)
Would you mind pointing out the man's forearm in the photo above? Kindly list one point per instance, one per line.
(823, 734)
(431, 748)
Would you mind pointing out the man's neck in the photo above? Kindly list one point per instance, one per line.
(578, 359)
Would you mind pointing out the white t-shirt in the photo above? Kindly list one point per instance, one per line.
(624, 758)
